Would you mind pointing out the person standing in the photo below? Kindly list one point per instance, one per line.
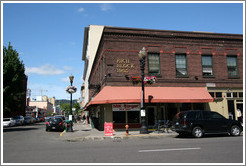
(239, 115)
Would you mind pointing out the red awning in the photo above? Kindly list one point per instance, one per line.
(110, 94)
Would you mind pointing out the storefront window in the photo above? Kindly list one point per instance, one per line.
(185, 106)
(240, 94)
(119, 117)
(198, 106)
(218, 94)
(133, 116)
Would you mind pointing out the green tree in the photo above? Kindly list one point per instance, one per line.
(65, 107)
(13, 80)
(77, 108)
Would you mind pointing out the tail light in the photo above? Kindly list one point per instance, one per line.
(47, 123)
(60, 123)
(185, 122)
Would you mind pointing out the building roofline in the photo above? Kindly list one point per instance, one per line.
(175, 31)
(85, 43)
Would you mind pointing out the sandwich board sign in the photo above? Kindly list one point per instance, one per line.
(108, 129)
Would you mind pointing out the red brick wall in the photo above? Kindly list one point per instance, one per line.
(118, 44)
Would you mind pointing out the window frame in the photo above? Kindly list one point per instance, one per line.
(208, 66)
(237, 72)
(186, 66)
(159, 66)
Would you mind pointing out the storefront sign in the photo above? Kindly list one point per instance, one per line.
(123, 65)
(210, 85)
(108, 128)
(125, 107)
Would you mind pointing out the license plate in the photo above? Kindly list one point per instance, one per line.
(53, 127)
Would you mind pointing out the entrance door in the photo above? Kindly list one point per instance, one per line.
(151, 116)
(231, 109)
(163, 114)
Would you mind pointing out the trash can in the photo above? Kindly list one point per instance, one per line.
(67, 125)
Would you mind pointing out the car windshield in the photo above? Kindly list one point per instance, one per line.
(6, 119)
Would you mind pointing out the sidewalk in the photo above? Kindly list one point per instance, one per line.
(83, 132)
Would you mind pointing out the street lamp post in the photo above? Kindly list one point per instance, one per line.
(71, 77)
(142, 56)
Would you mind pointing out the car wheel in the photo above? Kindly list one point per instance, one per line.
(197, 132)
(235, 130)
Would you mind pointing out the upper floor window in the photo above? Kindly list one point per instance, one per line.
(207, 65)
(232, 66)
(181, 65)
(154, 63)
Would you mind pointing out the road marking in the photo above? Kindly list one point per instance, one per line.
(165, 150)
(62, 133)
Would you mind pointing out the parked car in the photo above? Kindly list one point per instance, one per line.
(62, 116)
(47, 118)
(7, 122)
(37, 120)
(55, 123)
(34, 120)
(19, 120)
(41, 119)
(199, 122)
(28, 120)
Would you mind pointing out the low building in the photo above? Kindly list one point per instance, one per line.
(44, 105)
(193, 70)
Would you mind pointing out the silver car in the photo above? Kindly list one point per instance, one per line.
(7, 122)
(19, 120)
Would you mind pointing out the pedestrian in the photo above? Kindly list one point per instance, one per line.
(239, 115)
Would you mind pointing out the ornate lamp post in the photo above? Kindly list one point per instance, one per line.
(71, 77)
(142, 55)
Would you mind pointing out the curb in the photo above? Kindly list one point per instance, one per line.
(116, 138)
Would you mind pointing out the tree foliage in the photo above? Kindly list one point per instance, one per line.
(13, 80)
(65, 107)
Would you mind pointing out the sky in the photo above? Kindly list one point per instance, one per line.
(49, 36)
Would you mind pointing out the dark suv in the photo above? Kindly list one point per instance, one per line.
(198, 123)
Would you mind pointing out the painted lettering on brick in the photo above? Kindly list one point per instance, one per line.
(123, 65)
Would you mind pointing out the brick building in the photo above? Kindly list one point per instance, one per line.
(193, 70)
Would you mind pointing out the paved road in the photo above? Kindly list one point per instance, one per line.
(31, 144)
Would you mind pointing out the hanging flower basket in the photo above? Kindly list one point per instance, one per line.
(136, 80)
(71, 89)
(149, 80)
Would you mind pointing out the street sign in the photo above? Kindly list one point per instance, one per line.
(142, 112)
(108, 128)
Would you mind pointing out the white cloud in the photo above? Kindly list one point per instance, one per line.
(46, 69)
(50, 90)
(65, 79)
(67, 67)
(81, 9)
(106, 7)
